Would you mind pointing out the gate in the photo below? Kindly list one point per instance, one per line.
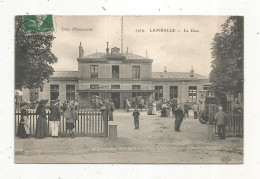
(89, 123)
(234, 125)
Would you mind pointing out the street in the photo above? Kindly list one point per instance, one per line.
(155, 142)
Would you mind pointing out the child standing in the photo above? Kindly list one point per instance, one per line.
(136, 115)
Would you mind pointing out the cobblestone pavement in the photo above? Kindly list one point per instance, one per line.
(155, 139)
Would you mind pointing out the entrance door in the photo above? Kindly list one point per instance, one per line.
(115, 96)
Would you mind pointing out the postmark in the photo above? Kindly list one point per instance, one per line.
(34, 34)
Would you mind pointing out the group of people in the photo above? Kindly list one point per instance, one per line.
(68, 109)
(41, 122)
(109, 107)
(138, 103)
(197, 108)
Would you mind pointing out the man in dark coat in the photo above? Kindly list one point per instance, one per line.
(124, 103)
(136, 115)
(111, 110)
(179, 118)
(186, 108)
(54, 118)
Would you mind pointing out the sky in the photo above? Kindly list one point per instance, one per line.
(178, 50)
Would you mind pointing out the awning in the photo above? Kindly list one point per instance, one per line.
(115, 90)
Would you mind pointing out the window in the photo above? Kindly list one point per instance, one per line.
(34, 94)
(115, 71)
(115, 86)
(54, 92)
(136, 87)
(70, 92)
(94, 86)
(158, 92)
(136, 71)
(193, 93)
(205, 88)
(173, 92)
(41, 89)
(93, 71)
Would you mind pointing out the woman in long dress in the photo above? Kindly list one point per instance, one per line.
(127, 105)
(179, 118)
(23, 127)
(41, 122)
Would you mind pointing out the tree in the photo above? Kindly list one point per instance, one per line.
(32, 69)
(227, 48)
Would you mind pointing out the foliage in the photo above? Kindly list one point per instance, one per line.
(227, 50)
(32, 69)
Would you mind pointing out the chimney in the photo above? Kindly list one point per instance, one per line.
(192, 72)
(126, 49)
(146, 54)
(164, 69)
(81, 51)
(107, 49)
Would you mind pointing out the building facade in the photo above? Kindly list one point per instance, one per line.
(116, 76)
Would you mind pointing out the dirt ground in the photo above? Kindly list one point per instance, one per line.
(155, 142)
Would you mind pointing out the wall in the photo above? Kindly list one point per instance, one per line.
(105, 69)
(183, 89)
(45, 94)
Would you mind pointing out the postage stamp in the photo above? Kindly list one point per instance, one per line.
(34, 33)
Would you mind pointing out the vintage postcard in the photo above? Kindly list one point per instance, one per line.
(129, 89)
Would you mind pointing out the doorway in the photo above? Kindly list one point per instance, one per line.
(115, 96)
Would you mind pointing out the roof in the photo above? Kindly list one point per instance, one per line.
(65, 75)
(73, 75)
(177, 76)
(99, 55)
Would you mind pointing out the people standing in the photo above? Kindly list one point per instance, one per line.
(111, 110)
(173, 106)
(136, 115)
(163, 111)
(23, 127)
(179, 118)
(201, 108)
(195, 109)
(71, 116)
(54, 118)
(186, 108)
(41, 122)
(237, 109)
(127, 105)
(124, 103)
(220, 118)
(141, 104)
(169, 111)
(76, 104)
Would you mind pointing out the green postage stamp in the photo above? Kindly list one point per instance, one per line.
(38, 23)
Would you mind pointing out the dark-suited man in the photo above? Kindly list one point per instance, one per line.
(54, 118)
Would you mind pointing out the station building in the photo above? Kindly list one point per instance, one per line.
(116, 76)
